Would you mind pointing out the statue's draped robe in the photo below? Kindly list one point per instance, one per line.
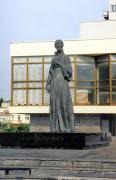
(61, 108)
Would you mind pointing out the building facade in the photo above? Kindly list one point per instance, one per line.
(93, 85)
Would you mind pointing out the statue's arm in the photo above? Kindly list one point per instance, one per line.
(67, 68)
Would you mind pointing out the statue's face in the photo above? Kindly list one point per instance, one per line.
(59, 47)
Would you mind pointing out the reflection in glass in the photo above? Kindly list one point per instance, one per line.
(85, 71)
(102, 80)
(114, 98)
(114, 88)
(113, 57)
(86, 59)
(85, 97)
(104, 98)
(113, 70)
(102, 59)
(113, 82)
(104, 89)
(85, 84)
(104, 83)
(103, 71)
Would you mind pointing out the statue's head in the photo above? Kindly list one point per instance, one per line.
(59, 45)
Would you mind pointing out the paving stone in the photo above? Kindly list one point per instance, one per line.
(87, 164)
(109, 165)
(19, 162)
(91, 173)
(56, 163)
(110, 174)
(19, 172)
(55, 172)
(2, 172)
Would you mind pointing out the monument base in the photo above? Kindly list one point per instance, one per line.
(53, 140)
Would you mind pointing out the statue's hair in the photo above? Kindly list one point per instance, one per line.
(58, 41)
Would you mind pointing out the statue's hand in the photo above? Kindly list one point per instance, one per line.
(67, 77)
(58, 63)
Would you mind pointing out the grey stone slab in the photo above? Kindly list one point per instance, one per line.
(109, 165)
(91, 173)
(55, 172)
(2, 172)
(111, 174)
(52, 178)
(19, 172)
(56, 163)
(87, 164)
(19, 162)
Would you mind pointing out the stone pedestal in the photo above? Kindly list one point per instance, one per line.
(53, 140)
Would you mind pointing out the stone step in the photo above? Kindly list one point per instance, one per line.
(101, 173)
(56, 172)
(9, 177)
(31, 163)
(53, 164)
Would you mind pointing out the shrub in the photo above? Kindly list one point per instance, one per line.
(11, 128)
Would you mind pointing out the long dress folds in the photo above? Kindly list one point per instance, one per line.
(61, 108)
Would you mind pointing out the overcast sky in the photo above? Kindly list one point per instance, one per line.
(34, 20)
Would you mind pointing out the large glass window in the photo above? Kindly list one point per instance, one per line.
(19, 97)
(47, 62)
(85, 71)
(102, 65)
(27, 81)
(113, 8)
(93, 81)
(35, 72)
(85, 80)
(29, 77)
(19, 72)
(113, 72)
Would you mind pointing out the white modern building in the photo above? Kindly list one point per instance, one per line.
(93, 85)
(17, 119)
(14, 119)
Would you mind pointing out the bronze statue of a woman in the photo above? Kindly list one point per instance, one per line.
(61, 108)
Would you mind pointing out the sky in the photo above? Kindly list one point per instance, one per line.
(35, 20)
